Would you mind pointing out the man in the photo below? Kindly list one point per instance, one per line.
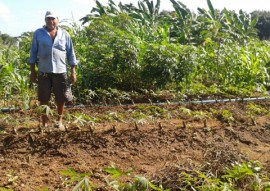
(51, 48)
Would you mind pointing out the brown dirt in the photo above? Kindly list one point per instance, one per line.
(157, 148)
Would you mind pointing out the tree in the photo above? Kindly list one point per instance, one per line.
(263, 24)
(7, 40)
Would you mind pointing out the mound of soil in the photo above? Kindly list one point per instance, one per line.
(158, 148)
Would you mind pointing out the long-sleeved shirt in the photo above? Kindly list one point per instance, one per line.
(52, 56)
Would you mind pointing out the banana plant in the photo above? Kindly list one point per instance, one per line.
(99, 10)
(240, 25)
(184, 25)
(212, 21)
(110, 10)
(147, 13)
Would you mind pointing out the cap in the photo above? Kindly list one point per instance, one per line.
(50, 14)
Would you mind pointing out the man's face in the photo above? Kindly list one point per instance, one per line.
(51, 23)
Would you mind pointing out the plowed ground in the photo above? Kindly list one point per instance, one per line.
(158, 148)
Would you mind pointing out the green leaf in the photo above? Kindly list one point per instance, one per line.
(211, 8)
(69, 172)
(115, 172)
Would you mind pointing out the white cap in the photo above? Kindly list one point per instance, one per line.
(50, 14)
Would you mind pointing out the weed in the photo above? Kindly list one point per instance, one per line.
(152, 110)
(12, 177)
(116, 116)
(5, 189)
(227, 116)
(44, 109)
(203, 182)
(185, 111)
(80, 119)
(253, 109)
(197, 115)
(73, 177)
(200, 115)
(138, 115)
(248, 175)
(139, 183)
(245, 176)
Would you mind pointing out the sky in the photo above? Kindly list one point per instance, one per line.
(19, 16)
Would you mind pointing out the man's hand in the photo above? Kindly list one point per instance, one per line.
(33, 77)
(73, 77)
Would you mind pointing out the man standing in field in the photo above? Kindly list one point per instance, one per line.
(51, 51)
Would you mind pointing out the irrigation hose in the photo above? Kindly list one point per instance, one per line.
(10, 109)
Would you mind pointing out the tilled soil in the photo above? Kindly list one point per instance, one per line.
(158, 148)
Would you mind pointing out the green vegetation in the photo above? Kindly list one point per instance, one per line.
(138, 54)
(245, 176)
(127, 51)
(138, 182)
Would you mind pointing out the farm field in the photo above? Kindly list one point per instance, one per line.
(130, 54)
(168, 140)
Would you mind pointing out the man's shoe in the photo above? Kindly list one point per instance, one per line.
(60, 126)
